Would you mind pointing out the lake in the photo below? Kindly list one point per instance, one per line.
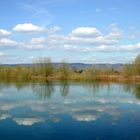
(69, 111)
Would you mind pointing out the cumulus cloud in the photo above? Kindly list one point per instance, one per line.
(7, 42)
(79, 40)
(93, 37)
(105, 48)
(50, 41)
(84, 37)
(54, 29)
(28, 28)
(4, 32)
(86, 32)
(31, 46)
(38, 40)
(87, 39)
(131, 47)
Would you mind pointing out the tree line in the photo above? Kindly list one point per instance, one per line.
(44, 70)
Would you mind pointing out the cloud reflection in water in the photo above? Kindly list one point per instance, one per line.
(45, 102)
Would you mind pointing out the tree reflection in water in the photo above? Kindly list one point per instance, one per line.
(137, 91)
(43, 91)
(64, 88)
(46, 90)
(133, 88)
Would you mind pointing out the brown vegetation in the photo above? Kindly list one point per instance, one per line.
(43, 69)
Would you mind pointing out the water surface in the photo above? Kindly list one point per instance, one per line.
(69, 111)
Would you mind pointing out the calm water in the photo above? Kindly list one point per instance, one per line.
(69, 111)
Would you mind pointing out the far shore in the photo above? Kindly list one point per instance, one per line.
(44, 70)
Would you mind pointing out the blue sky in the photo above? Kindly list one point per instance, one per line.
(87, 31)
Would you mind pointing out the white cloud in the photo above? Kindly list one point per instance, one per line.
(79, 40)
(4, 32)
(85, 37)
(130, 47)
(51, 41)
(86, 32)
(7, 42)
(115, 33)
(38, 40)
(54, 29)
(105, 48)
(2, 54)
(30, 46)
(85, 40)
(28, 28)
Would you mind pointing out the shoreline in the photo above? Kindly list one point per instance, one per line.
(104, 79)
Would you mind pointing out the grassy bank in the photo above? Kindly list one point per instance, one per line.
(44, 70)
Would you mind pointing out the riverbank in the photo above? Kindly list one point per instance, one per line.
(102, 79)
(44, 70)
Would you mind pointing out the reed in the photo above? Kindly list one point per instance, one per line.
(44, 70)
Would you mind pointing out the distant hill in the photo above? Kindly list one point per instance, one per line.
(102, 66)
(77, 65)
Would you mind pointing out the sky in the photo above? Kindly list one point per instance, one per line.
(76, 31)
